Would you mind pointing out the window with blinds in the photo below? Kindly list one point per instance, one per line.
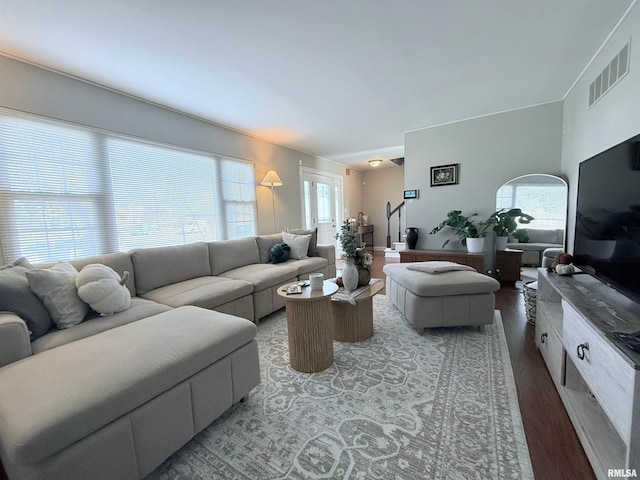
(69, 192)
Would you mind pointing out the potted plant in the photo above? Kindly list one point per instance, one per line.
(348, 238)
(464, 227)
(505, 221)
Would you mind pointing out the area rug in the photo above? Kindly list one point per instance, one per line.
(396, 406)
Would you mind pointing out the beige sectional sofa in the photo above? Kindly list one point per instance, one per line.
(114, 396)
(537, 241)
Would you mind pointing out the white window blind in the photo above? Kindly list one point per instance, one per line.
(52, 200)
(162, 196)
(69, 192)
(239, 198)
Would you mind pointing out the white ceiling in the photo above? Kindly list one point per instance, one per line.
(341, 79)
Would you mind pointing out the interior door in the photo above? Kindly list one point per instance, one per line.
(322, 197)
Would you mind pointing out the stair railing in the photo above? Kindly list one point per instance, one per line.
(389, 213)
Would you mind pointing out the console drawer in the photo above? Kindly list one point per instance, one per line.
(608, 376)
(550, 346)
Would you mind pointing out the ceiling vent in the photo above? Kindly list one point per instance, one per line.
(612, 73)
(398, 161)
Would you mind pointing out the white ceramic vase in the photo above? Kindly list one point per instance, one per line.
(475, 245)
(350, 275)
(501, 243)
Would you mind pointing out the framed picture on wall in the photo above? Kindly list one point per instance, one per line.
(444, 175)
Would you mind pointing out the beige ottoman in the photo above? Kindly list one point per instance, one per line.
(447, 299)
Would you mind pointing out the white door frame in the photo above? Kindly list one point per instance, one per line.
(337, 210)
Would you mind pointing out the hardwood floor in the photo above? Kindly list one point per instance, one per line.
(556, 452)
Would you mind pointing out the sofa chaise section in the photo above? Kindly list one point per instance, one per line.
(117, 404)
(16, 343)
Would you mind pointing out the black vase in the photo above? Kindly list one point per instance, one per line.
(412, 237)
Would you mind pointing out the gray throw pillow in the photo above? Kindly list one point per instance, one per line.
(56, 287)
(313, 243)
(265, 242)
(17, 297)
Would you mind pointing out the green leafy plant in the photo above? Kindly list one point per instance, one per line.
(462, 227)
(348, 238)
(506, 220)
(363, 258)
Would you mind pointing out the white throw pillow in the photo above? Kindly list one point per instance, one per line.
(56, 288)
(299, 244)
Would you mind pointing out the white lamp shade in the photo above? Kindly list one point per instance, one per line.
(271, 179)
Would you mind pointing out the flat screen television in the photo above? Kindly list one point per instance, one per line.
(607, 231)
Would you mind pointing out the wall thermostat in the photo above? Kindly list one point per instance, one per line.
(410, 194)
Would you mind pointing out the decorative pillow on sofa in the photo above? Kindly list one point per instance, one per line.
(313, 243)
(279, 253)
(17, 297)
(521, 235)
(56, 288)
(299, 244)
(439, 267)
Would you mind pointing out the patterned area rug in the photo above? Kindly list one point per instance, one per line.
(397, 406)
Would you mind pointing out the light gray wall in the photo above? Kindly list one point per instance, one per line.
(490, 150)
(378, 188)
(31, 89)
(353, 202)
(613, 119)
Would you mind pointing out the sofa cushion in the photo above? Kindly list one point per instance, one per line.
(308, 265)
(16, 296)
(263, 275)
(157, 267)
(56, 288)
(94, 323)
(108, 375)
(205, 292)
(539, 235)
(313, 243)
(526, 247)
(229, 254)
(265, 242)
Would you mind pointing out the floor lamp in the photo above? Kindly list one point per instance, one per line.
(271, 179)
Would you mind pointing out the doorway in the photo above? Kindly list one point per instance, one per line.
(322, 200)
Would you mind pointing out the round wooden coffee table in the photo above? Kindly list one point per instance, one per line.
(310, 327)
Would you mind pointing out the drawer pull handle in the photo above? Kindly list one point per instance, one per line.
(543, 337)
(581, 348)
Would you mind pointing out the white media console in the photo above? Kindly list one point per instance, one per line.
(596, 375)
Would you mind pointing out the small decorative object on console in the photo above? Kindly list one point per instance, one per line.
(563, 264)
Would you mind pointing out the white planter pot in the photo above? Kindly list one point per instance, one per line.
(475, 245)
(350, 276)
(501, 243)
